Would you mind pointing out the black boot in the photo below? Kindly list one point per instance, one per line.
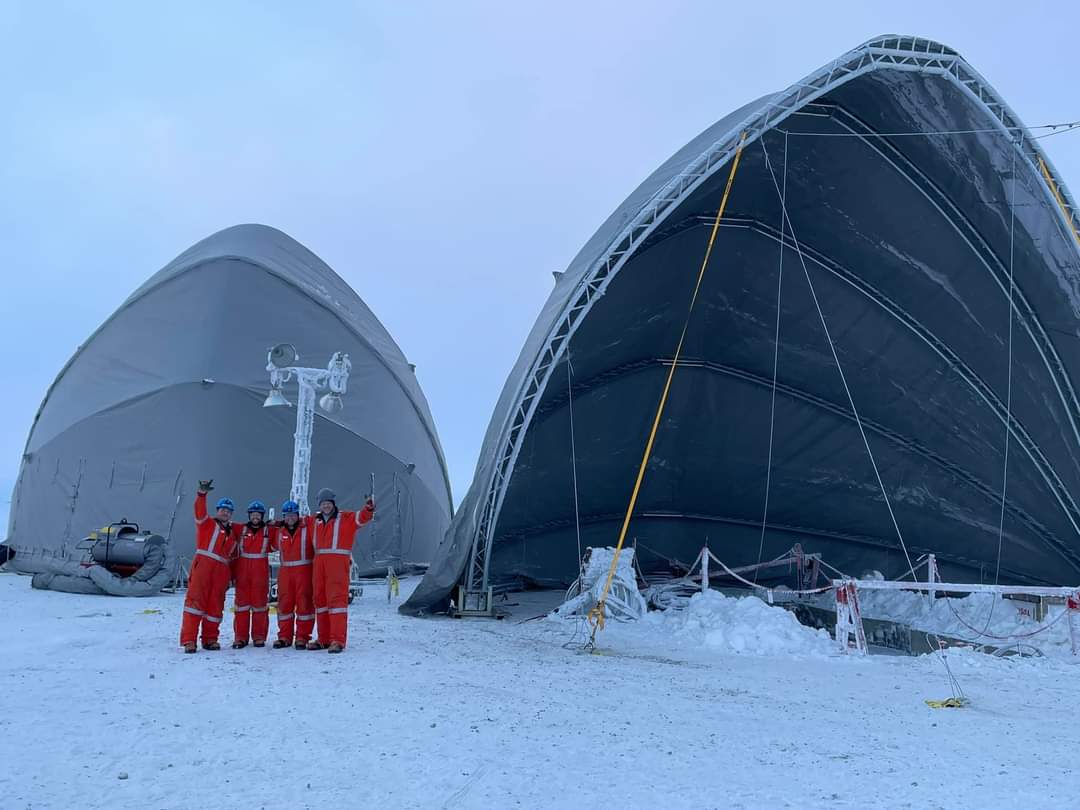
(280, 643)
(239, 645)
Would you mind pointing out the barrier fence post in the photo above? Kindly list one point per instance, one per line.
(1072, 605)
(931, 577)
(849, 626)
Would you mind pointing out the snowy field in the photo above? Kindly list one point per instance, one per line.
(729, 704)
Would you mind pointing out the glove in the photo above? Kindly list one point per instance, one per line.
(370, 505)
(207, 485)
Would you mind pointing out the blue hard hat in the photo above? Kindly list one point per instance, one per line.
(226, 503)
(257, 506)
(289, 507)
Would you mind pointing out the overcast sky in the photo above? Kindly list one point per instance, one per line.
(442, 157)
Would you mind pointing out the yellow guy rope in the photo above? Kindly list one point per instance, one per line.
(1057, 196)
(596, 615)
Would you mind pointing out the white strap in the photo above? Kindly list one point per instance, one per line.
(211, 555)
(295, 563)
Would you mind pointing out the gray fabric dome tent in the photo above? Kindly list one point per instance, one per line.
(897, 162)
(170, 389)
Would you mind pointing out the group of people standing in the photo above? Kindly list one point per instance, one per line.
(313, 577)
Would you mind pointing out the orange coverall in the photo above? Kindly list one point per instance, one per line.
(251, 570)
(333, 558)
(295, 606)
(215, 548)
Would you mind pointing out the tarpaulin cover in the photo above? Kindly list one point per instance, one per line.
(169, 390)
(898, 185)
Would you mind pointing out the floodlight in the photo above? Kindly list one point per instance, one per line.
(331, 403)
(276, 398)
(282, 355)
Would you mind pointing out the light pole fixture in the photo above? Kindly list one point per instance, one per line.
(281, 363)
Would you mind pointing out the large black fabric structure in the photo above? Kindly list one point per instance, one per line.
(897, 164)
(170, 390)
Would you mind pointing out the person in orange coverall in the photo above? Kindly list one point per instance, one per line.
(251, 572)
(334, 535)
(216, 543)
(293, 537)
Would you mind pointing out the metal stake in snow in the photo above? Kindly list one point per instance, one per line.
(931, 576)
(1072, 606)
(281, 363)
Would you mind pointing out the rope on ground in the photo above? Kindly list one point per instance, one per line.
(958, 699)
(596, 615)
(775, 365)
(836, 357)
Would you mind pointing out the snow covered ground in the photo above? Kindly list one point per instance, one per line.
(981, 617)
(728, 704)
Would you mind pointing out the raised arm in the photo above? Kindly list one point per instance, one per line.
(366, 514)
(200, 500)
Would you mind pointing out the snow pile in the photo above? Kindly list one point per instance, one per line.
(742, 626)
(982, 618)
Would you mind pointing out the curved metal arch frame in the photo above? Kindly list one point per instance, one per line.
(890, 52)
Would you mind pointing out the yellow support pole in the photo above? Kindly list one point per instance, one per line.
(1057, 196)
(596, 615)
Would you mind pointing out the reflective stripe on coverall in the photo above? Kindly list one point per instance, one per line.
(295, 606)
(251, 570)
(333, 559)
(215, 547)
